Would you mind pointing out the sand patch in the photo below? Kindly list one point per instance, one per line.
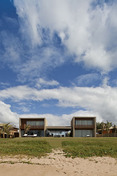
(57, 164)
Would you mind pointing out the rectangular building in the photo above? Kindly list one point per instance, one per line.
(83, 126)
(80, 127)
(36, 127)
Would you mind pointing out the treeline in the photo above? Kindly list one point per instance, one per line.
(106, 126)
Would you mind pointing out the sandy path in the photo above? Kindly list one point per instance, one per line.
(56, 164)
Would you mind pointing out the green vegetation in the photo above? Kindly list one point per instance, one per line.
(87, 147)
(74, 147)
(29, 147)
(27, 128)
(104, 126)
(6, 129)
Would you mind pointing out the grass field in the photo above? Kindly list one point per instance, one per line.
(75, 147)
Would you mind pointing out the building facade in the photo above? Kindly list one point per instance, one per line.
(83, 126)
(32, 127)
(80, 127)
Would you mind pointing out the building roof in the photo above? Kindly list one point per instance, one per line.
(58, 127)
(32, 118)
(112, 127)
(84, 117)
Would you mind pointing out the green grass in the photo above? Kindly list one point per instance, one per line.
(74, 147)
(27, 147)
(88, 147)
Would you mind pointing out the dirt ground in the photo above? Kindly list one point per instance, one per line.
(58, 165)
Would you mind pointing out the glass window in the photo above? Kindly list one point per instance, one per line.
(83, 122)
(84, 133)
(90, 122)
(35, 123)
(78, 122)
(22, 132)
(40, 133)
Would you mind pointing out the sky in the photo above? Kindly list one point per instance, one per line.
(58, 59)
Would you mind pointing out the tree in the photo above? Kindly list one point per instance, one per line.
(108, 125)
(27, 128)
(102, 127)
(6, 129)
(0, 131)
(98, 126)
(115, 128)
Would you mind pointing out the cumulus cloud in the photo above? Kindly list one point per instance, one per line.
(85, 31)
(6, 115)
(33, 50)
(88, 31)
(99, 100)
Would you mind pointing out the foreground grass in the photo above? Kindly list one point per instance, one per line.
(27, 147)
(88, 147)
(75, 147)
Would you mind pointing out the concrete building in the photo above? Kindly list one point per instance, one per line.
(83, 126)
(37, 127)
(80, 127)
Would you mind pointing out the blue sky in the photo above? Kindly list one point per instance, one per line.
(58, 59)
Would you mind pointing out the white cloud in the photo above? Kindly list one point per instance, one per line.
(105, 81)
(12, 48)
(38, 62)
(99, 100)
(33, 52)
(4, 84)
(88, 32)
(25, 109)
(6, 115)
(26, 61)
(86, 79)
(30, 22)
(44, 83)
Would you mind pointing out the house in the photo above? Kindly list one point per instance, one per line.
(37, 127)
(14, 132)
(83, 126)
(80, 127)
